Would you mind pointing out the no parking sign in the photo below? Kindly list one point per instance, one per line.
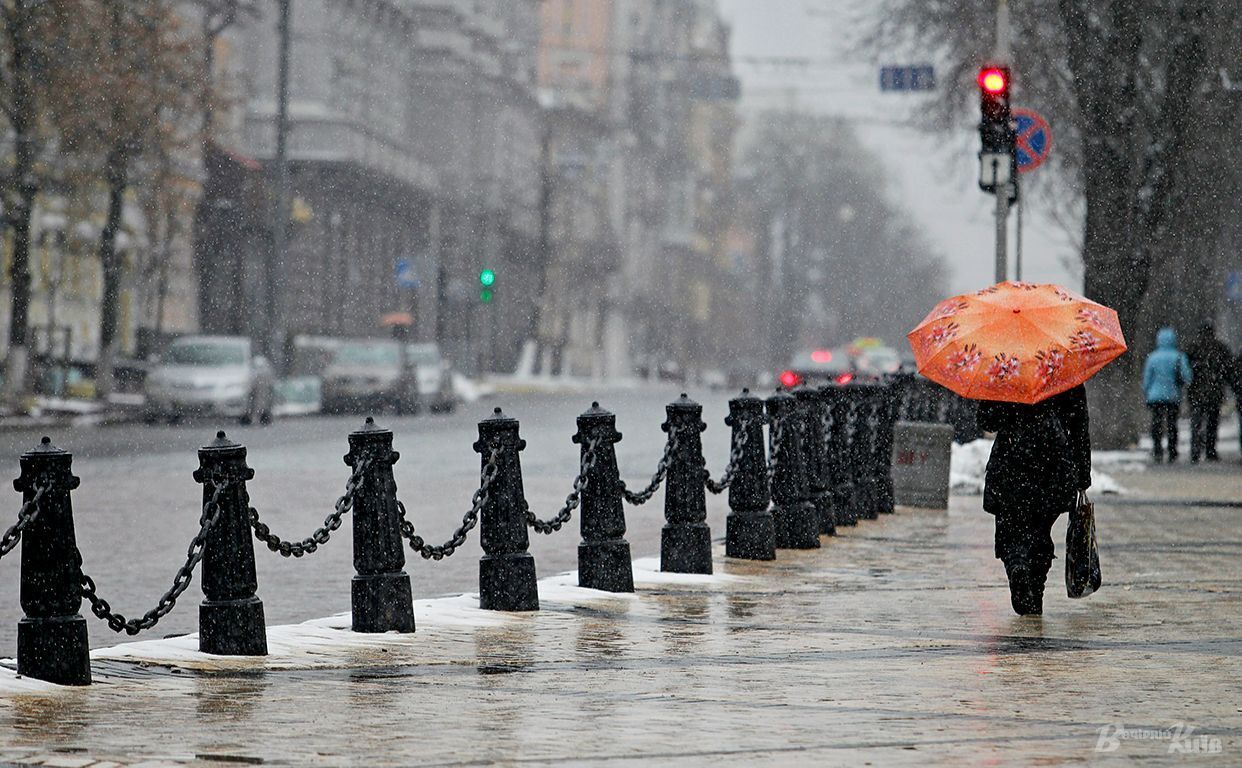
(1034, 139)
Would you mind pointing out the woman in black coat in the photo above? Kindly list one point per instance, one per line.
(1039, 463)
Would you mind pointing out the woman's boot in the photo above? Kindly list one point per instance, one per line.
(1026, 587)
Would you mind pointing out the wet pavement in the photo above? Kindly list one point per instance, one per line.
(892, 645)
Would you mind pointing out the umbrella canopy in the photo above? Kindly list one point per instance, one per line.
(1016, 342)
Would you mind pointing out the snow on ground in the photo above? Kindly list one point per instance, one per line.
(328, 642)
(470, 390)
(969, 461)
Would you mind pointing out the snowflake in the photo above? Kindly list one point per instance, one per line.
(1004, 368)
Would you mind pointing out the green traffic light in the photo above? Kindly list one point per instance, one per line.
(486, 278)
(485, 296)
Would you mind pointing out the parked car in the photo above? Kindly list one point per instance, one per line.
(433, 377)
(366, 374)
(220, 375)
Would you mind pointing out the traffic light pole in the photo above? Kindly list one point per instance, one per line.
(1002, 190)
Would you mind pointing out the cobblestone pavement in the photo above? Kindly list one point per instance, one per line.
(892, 645)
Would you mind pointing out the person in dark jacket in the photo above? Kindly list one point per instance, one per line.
(1165, 373)
(1040, 461)
(1212, 367)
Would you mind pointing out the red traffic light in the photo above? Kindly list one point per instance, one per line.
(993, 80)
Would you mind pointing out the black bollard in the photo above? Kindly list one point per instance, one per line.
(811, 408)
(890, 406)
(686, 541)
(749, 531)
(794, 517)
(230, 618)
(380, 591)
(506, 570)
(603, 554)
(839, 406)
(51, 638)
(862, 450)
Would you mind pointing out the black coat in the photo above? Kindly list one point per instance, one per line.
(1042, 454)
(1212, 366)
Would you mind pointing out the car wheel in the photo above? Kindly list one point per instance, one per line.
(265, 418)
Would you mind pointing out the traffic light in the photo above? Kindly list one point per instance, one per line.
(996, 133)
(995, 126)
(487, 279)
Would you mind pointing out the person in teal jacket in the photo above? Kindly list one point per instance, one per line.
(1165, 374)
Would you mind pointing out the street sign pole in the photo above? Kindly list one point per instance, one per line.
(1002, 230)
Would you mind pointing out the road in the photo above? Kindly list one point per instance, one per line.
(138, 506)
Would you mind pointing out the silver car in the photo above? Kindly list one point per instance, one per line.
(366, 375)
(219, 375)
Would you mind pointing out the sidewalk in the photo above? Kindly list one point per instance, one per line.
(892, 645)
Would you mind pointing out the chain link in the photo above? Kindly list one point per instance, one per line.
(573, 499)
(643, 496)
(740, 437)
(778, 441)
(330, 523)
(181, 582)
(25, 516)
(468, 522)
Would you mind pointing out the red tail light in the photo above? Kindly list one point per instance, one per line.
(789, 379)
(845, 378)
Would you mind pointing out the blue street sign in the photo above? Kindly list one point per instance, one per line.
(1033, 139)
(403, 273)
(910, 78)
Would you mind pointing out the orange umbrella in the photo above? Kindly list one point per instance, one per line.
(1016, 342)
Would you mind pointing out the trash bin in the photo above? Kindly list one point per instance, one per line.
(921, 453)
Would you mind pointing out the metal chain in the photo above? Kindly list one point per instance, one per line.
(573, 499)
(330, 523)
(194, 554)
(25, 516)
(778, 439)
(741, 436)
(643, 496)
(468, 522)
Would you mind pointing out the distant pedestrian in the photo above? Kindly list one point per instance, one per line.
(1165, 374)
(1040, 461)
(1211, 366)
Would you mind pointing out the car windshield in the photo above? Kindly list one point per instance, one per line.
(367, 354)
(206, 354)
(423, 354)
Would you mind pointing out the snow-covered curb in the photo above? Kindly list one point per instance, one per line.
(969, 461)
(321, 643)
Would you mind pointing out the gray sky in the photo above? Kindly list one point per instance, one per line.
(930, 175)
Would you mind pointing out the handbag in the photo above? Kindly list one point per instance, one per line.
(1082, 552)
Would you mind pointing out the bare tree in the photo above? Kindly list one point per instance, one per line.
(22, 58)
(1131, 87)
(133, 97)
